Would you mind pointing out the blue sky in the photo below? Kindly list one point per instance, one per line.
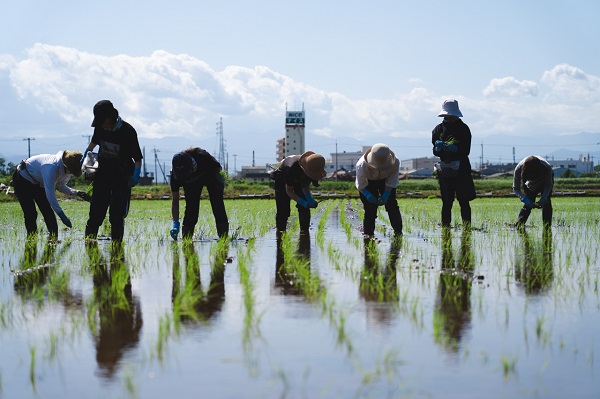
(526, 73)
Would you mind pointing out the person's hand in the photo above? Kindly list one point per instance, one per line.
(175, 230)
(303, 202)
(370, 197)
(135, 177)
(64, 219)
(84, 196)
(83, 157)
(384, 197)
(311, 201)
(450, 147)
(541, 202)
(527, 202)
(439, 145)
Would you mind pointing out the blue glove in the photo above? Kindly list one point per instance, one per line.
(175, 230)
(303, 202)
(311, 201)
(384, 197)
(83, 157)
(439, 146)
(135, 177)
(370, 197)
(450, 147)
(528, 203)
(64, 219)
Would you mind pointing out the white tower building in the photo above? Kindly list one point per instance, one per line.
(294, 132)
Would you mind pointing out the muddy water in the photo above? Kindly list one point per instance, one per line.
(489, 313)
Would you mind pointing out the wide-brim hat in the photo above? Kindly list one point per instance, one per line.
(450, 108)
(380, 157)
(102, 110)
(72, 161)
(313, 165)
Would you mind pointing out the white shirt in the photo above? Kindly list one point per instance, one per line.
(48, 171)
(365, 172)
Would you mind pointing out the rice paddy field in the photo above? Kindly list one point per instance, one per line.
(492, 312)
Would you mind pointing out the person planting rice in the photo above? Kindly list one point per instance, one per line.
(292, 181)
(451, 141)
(36, 180)
(193, 169)
(535, 176)
(119, 164)
(377, 173)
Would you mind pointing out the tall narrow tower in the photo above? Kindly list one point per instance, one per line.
(221, 152)
(294, 132)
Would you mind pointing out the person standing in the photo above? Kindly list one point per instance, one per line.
(119, 164)
(451, 141)
(377, 174)
(193, 169)
(292, 181)
(535, 176)
(36, 180)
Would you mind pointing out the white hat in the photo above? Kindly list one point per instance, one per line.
(450, 108)
(380, 157)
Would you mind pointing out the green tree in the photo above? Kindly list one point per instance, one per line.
(568, 173)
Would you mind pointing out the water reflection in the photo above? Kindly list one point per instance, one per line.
(533, 263)
(378, 283)
(116, 320)
(452, 313)
(285, 278)
(33, 270)
(191, 305)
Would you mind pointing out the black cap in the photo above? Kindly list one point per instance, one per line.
(183, 165)
(102, 110)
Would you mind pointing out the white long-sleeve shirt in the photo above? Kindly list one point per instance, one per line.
(48, 171)
(365, 172)
(546, 181)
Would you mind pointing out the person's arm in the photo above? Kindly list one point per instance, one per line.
(49, 174)
(548, 183)
(517, 181)
(290, 192)
(175, 214)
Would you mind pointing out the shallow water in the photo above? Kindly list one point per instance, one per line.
(490, 313)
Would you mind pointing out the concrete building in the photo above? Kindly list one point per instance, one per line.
(581, 165)
(255, 173)
(343, 160)
(294, 132)
(418, 163)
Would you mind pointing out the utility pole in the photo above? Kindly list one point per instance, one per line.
(481, 166)
(154, 150)
(221, 152)
(28, 139)
(336, 163)
(89, 137)
(234, 165)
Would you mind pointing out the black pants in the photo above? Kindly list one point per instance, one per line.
(192, 206)
(463, 189)
(282, 201)
(377, 187)
(546, 209)
(109, 192)
(29, 195)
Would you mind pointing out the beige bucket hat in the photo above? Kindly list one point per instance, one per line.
(313, 165)
(380, 157)
(72, 161)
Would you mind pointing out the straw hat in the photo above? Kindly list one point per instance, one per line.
(72, 161)
(380, 157)
(450, 108)
(313, 165)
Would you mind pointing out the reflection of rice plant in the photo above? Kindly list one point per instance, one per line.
(508, 364)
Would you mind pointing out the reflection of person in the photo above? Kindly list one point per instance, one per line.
(119, 163)
(283, 279)
(292, 181)
(535, 176)
(376, 180)
(193, 169)
(452, 143)
(373, 274)
(36, 181)
(454, 301)
(533, 267)
(195, 304)
(32, 271)
(120, 312)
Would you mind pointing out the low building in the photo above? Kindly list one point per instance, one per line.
(255, 173)
(418, 164)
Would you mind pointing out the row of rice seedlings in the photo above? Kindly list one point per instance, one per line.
(320, 236)
(252, 318)
(348, 227)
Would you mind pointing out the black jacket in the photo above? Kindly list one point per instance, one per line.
(458, 134)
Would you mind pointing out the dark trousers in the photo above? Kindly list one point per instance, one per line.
(192, 206)
(282, 202)
(460, 187)
(546, 209)
(377, 187)
(109, 192)
(29, 195)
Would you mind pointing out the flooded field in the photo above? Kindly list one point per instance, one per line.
(492, 312)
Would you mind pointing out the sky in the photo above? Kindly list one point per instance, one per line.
(526, 74)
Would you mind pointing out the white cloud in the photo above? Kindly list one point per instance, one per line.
(511, 87)
(568, 83)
